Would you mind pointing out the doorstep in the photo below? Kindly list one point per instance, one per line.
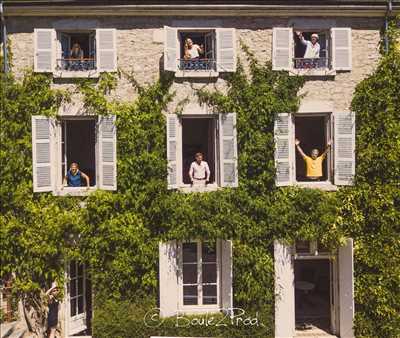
(314, 332)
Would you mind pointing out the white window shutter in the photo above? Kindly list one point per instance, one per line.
(107, 156)
(226, 276)
(106, 50)
(44, 50)
(226, 50)
(168, 278)
(282, 42)
(344, 144)
(284, 291)
(341, 48)
(172, 143)
(228, 150)
(346, 290)
(42, 145)
(171, 49)
(283, 149)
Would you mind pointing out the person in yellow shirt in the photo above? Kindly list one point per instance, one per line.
(313, 163)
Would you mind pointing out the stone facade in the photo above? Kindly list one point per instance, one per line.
(140, 51)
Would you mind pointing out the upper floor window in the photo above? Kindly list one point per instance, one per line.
(199, 52)
(201, 151)
(315, 150)
(195, 277)
(312, 52)
(71, 53)
(73, 155)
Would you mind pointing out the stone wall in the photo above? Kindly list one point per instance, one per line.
(140, 51)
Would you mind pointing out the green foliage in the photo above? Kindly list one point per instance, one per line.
(117, 233)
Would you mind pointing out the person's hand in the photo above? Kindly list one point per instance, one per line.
(329, 143)
(296, 142)
(298, 33)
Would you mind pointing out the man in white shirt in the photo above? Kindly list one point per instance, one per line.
(199, 171)
(192, 50)
(312, 47)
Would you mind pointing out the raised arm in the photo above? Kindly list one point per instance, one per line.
(86, 177)
(328, 146)
(301, 38)
(297, 143)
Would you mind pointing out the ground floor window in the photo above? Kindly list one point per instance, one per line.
(78, 142)
(199, 273)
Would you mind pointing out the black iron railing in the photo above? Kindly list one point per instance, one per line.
(74, 65)
(308, 63)
(197, 64)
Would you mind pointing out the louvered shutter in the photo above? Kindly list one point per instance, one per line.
(172, 142)
(42, 138)
(341, 48)
(226, 276)
(346, 290)
(107, 145)
(171, 49)
(44, 50)
(106, 50)
(283, 149)
(228, 150)
(284, 291)
(282, 48)
(168, 278)
(344, 148)
(226, 50)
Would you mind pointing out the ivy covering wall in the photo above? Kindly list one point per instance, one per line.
(117, 233)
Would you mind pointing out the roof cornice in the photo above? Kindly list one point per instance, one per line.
(201, 10)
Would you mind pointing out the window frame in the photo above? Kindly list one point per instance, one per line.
(200, 306)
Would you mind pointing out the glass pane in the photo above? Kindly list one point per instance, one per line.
(73, 307)
(80, 305)
(302, 246)
(80, 269)
(209, 252)
(209, 294)
(190, 295)
(189, 273)
(73, 288)
(72, 270)
(189, 252)
(80, 286)
(209, 273)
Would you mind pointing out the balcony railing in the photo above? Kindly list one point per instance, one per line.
(197, 64)
(75, 65)
(308, 63)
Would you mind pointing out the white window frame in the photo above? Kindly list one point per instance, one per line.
(199, 307)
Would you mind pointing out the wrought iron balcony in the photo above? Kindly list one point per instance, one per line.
(197, 64)
(75, 65)
(308, 63)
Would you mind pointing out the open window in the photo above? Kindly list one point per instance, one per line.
(87, 144)
(199, 52)
(214, 136)
(312, 52)
(195, 277)
(334, 165)
(75, 53)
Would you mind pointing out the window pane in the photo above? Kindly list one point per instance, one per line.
(209, 294)
(209, 273)
(190, 295)
(189, 273)
(302, 246)
(189, 252)
(80, 286)
(73, 288)
(209, 252)
(80, 304)
(73, 307)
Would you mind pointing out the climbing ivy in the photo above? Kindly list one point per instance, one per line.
(117, 233)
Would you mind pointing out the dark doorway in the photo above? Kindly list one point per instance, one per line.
(312, 294)
(198, 135)
(312, 134)
(79, 146)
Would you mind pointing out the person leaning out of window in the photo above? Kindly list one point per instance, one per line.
(312, 47)
(76, 53)
(74, 176)
(192, 50)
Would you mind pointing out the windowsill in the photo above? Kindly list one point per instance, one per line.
(187, 188)
(65, 74)
(68, 191)
(199, 309)
(324, 185)
(196, 73)
(312, 72)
